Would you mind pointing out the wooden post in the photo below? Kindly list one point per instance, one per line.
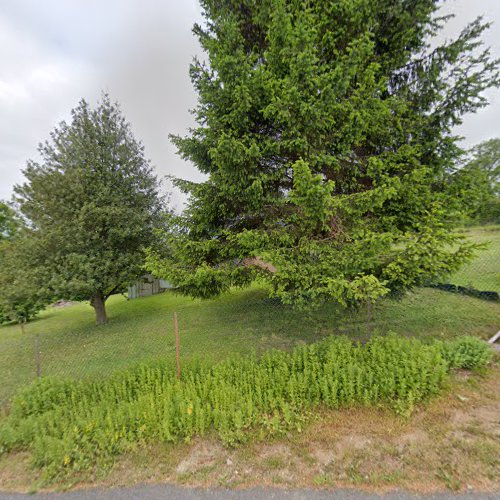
(177, 346)
(37, 356)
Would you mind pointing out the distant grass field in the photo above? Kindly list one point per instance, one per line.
(236, 323)
(483, 272)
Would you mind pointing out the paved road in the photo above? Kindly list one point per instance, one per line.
(168, 492)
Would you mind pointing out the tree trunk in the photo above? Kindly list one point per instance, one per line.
(97, 301)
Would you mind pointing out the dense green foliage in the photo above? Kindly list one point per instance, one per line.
(325, 130)
(480, 179)
(466, 352)
(9, 223)
(20, 300)
(91, 206)
(70, 426)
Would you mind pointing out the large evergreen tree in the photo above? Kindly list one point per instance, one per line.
(326, 132)
(92, 204)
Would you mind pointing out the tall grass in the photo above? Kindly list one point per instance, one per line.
(71, 426)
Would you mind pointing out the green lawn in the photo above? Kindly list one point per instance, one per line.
(238, 322)
(241, 321)
(483, 272)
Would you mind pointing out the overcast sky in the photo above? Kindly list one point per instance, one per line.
(54, 52)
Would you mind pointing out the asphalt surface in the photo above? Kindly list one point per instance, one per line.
(158, 492)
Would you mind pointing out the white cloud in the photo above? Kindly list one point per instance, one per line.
(55, 52)
(12, 93)
(38, 87)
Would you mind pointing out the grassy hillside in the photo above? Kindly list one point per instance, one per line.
(142, 330)
(483, 272)
(244, 320)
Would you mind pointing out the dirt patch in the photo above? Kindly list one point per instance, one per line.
(352, 443)
(15, 473)
(414, 437)
(324, 456)
(60, 304)
(274, 450)
(201, 454)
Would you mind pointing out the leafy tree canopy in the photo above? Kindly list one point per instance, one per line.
(91, 205)
(19, 298)
(9, 223)
(486, 165)
(326, 132)
(477, 182)
(486, 158)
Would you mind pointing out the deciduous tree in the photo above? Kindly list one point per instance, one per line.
(478, 181)
(91, 204)
(9, 223)
(19, 298)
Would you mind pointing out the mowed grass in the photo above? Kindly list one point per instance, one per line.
(236, 323)
(483, 273)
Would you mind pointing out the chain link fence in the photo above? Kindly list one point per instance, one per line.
(64, 342)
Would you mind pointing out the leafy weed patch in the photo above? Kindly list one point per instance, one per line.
(70, 426)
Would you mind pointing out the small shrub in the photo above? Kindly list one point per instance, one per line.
(71, 426)
(467, 352)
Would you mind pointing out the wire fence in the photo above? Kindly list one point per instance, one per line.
(64, 342)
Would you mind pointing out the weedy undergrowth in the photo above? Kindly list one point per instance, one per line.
(71, 426)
